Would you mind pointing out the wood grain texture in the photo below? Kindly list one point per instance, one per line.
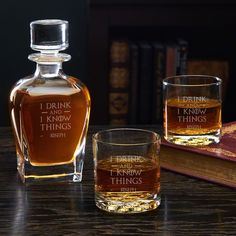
(189, 206)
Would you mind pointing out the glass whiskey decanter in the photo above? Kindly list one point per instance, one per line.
(50, 111)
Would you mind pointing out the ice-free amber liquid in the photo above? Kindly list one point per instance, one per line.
(52, 126)
(127, 178)
(196, 117)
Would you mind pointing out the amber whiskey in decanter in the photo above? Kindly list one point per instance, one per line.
(50, 111)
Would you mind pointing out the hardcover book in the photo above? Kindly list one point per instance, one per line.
(215, 163)
(171, 59)
(182, 57)
(133, 85)
(145, 83)
(159, 58)
(119, 82)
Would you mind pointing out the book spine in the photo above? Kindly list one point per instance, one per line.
(159, 74)
(145, 83)
(171, 59)
(182, 55)
(133, 85)
(119, 82)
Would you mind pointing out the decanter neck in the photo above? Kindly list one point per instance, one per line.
(49, 64)
(48, 70)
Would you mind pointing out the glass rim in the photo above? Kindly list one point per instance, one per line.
(53, 21)
(218, 81)
(99, 140)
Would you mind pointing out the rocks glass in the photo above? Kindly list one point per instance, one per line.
(127, 170)
(192, 109)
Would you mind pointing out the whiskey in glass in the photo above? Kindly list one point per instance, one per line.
(192, 109)
(127, 170)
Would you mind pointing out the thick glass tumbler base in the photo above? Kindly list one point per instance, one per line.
(126, 203)
(46, 174)
(194, 140)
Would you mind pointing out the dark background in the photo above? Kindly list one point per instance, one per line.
(208, 25)
(15, 17)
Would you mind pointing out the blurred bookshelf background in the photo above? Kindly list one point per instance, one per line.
(152, 40)
(122, 49)
(137, 69)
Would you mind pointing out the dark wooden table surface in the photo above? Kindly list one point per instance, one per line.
(189, 206)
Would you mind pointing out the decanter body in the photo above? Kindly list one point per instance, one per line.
(50, 112)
